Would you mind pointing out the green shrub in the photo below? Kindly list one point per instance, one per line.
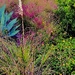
(64, 52)
(57, 59)
(66, 13)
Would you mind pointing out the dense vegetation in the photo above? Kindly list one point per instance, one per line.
(37, 38)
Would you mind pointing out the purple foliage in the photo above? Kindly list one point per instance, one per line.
(28, 36)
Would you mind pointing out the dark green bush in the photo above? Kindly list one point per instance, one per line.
(58, 59)
(66, 15)
(64, 53)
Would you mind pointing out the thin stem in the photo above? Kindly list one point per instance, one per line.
(21, 13)
(22, 32)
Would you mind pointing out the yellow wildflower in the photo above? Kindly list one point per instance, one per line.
(70, 37)
(63, 64)
(63, 40)
(60, 74)
(52, 45)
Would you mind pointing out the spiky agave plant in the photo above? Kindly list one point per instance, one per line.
(7, 27)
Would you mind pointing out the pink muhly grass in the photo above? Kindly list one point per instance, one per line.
(38, 21)
(31, 10)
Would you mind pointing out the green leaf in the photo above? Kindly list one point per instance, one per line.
(38, 60)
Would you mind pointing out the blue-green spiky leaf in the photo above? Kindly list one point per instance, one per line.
(2, 9)
(16, 27)
(6, 26)
(11, 24)
(5, 16)
(12, 33)
(8, 16)
(2, 21)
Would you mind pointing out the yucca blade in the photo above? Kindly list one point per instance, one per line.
(2, 21)
(11, 24)
(12, 33)
(16, 27)
(1, 10)
(8, 16)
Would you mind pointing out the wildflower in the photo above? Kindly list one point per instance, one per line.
(73, 61)
(63, 64)
(52, 45)
(44, 22)
(60, 74)
(63, 41)
(42, 43)
(70, 37)
(66, 47)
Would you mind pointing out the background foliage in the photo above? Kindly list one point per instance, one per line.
(47, 46)
(66, 15)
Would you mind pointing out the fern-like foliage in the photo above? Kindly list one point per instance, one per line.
(7, 27)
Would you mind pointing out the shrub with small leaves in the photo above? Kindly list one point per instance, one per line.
(66, 13)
